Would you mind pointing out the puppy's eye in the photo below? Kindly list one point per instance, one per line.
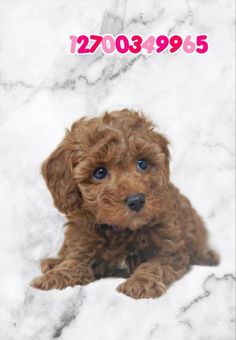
(142, 164)
(100, 173)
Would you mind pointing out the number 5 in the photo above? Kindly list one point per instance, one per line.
(201, 42)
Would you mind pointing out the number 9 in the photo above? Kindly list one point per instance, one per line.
(162, 42)
(175, 42)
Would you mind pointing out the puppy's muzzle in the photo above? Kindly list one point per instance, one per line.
(135, 202)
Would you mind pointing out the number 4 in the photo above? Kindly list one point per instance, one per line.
(148, 44)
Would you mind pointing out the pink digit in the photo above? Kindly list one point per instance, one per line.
(162, 42)
(122, 44)
(136, 47)
(149, 44)
(201, 42)
(84, 40)
(175, 42)
(73, 39)
(188, 45)
(108, 44)
(97, 40)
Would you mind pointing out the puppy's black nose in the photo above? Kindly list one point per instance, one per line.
(135, 202)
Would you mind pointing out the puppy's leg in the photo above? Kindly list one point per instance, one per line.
(70, 272)
(208, 257)
(197, 241)
(196, 236)
(152, 278)
(49, 263)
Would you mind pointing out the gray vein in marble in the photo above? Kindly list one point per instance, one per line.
(188, 17)
(218, 145)
(105, 75)
(188, 326)
(153, 330)
(126, 67)
(112, 24)
(8, 86)
(144, 22)
(207, 292)
(69, 315)
(186, 323)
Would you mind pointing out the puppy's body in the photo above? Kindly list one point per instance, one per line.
(151, 241)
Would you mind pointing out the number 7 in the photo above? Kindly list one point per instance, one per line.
(98, 39)
(201, 42)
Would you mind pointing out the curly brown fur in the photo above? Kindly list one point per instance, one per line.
(151, 247)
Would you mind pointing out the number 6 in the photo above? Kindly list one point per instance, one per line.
(188, 45)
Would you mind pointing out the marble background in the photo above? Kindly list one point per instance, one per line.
(43, 90)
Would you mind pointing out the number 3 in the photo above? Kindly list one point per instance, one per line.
(201, 42)
(137, 41)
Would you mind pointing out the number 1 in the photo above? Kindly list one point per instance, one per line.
(73, 39)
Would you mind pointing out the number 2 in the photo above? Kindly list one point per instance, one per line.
(84, 40)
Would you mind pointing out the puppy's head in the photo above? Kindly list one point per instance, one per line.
(116, 167)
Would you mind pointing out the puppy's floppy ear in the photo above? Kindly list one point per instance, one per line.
(57, 172)
(163, 143)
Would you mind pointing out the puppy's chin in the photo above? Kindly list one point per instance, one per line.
(133, 224)
(138, 223)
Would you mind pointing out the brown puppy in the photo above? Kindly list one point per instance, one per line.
(110, 176)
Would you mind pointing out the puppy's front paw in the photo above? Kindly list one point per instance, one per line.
(49, 281)
(59, 279)
(49, 263)
(141, 288)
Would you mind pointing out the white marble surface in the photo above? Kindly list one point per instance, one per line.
(43, 89)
